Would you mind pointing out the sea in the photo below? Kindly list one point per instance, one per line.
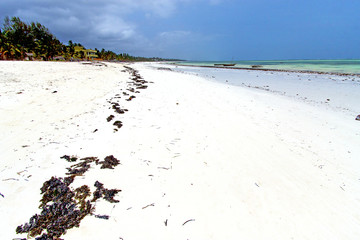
(329, 66)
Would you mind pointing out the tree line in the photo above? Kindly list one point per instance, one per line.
(19, 40)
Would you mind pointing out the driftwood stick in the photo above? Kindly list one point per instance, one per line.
(188, 221)
(150, 205)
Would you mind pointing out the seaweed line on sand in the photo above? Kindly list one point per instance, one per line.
(137, 82)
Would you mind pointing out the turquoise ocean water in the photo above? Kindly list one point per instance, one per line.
(332, 66)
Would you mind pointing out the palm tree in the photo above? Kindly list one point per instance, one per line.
(82, 54)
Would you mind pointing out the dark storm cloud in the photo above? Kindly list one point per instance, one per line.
(109, 24)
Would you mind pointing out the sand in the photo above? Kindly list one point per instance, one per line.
(200, 159)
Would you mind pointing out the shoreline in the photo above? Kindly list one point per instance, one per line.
(198, 158)
(268, 69)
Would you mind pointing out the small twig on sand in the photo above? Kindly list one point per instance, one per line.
(106, 217)
(188, 221)
(150, 205)
(165, 168)
(2, 195)
(8, 179)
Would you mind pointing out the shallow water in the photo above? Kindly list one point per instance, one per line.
(333, 66)
(328, 90)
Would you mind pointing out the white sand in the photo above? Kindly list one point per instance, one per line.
(242, 163)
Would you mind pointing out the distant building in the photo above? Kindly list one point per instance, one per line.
(88, 54)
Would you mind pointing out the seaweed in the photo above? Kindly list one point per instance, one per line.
(63, 207)
(117, 108)
(63, 212)
(104, 193)
(109, 162)
(80, 168)
(118, 124)
(110, 118)
(69, 159)
(130, 98)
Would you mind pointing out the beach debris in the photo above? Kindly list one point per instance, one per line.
(60, 210)
(109, 162)
(165, 168)
(117, 108)
(80, 168)
(2, 195)
(149, 205)
(64, 207)
(110, 118)
(10, 179)
(69, 159)
(357, 118)
(166, 222)
(190, 220)
(142, 87)
(137, 82)
(104, 193)
(130, 98)
(118, 124)
(106, 217)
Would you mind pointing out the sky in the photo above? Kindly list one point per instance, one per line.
(215, 30)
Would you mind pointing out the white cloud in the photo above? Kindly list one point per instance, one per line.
(112, 27)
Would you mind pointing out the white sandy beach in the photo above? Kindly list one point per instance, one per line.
(200, 159)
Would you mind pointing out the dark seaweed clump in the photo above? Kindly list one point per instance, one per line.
(80, 168)
(62, 209)
(118, 124)
(102, 192)
(69, 159)
(109, 118)
(117, 108)
(109, 162)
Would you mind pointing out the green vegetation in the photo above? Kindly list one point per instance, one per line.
(21, 41)
(18, 40)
